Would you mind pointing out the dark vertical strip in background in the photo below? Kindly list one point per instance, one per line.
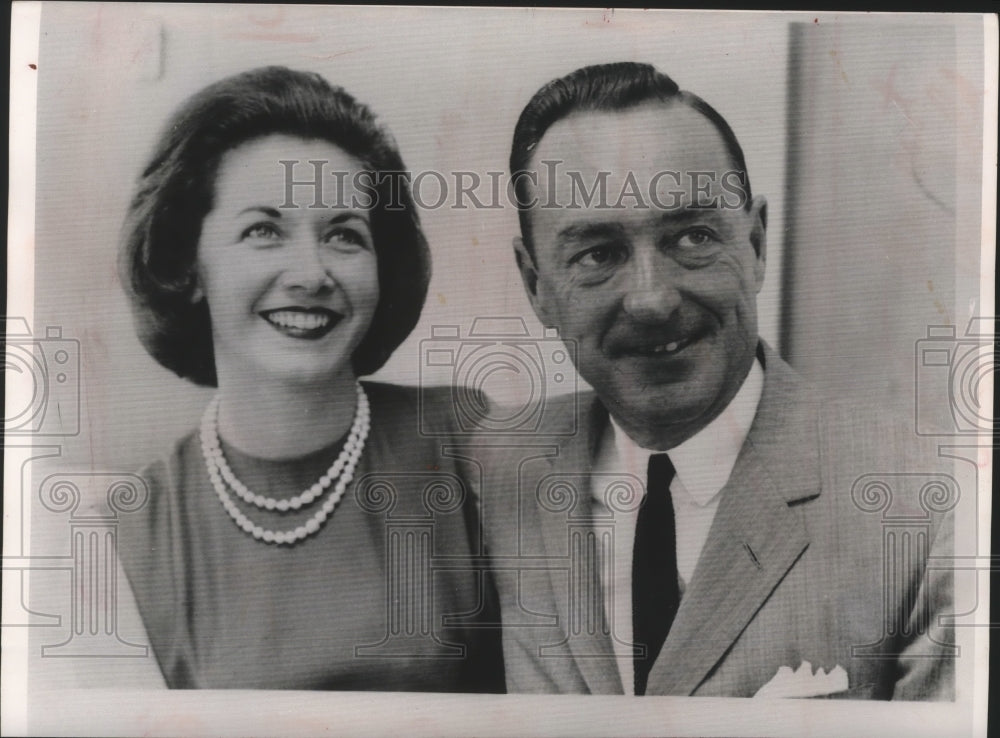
(5, 138)
(792, 163)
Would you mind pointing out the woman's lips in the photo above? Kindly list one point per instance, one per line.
(299, 322)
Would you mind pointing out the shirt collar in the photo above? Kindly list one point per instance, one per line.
(703, 462)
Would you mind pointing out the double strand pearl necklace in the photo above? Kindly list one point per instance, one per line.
(342, 471)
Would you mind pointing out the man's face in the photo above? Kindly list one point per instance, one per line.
(659, 296)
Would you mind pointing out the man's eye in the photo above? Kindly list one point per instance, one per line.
(599, 256)
(260, 232)
(695, 239)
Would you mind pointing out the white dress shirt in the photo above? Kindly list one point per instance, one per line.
(703, 464)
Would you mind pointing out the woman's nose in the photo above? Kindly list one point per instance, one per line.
(652, 292)
(305, 268)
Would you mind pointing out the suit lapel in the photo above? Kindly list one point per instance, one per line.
(589, 647)
(755, 538)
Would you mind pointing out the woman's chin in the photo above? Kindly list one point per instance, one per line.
(289, 359)
(290, 371)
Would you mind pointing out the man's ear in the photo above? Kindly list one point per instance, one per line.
(758, 236)
(197, 293)
(529, 275)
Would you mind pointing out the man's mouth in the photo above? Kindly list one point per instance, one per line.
(670, 347)
(658, 347)
(302, 322)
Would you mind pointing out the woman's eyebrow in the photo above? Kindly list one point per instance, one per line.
(333, 220)
(350, 215)
(266, 210)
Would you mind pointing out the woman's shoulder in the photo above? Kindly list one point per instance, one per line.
(164, 471)
(162, 482)
(390, 393)
(431, 409)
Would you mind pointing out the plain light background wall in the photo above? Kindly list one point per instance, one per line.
(449, 83)
(885, 163)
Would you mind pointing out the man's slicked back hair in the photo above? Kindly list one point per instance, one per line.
(602, 88)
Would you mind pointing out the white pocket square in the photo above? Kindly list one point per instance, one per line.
(803, 683)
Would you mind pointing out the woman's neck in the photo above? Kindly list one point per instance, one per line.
(285, 421)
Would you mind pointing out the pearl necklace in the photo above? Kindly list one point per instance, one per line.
(342, 470)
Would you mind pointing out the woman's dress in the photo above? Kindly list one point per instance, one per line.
(373, 601)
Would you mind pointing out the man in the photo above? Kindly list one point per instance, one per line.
(713, 519)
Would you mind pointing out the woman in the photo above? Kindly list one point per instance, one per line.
(261, 560)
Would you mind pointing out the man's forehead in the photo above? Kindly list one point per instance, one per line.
(642, 164)
(646, 138)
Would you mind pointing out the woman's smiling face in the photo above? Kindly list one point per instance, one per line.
(291, 289)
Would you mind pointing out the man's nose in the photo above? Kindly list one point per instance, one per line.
(653, 293)
(305, 269)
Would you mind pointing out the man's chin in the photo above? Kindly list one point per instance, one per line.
(673, 411)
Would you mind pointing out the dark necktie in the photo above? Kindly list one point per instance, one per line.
(655, 592)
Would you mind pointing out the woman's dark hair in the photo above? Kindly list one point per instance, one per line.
(176, 190)
(602, 87)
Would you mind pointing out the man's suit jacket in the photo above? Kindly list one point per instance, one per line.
(817, 553)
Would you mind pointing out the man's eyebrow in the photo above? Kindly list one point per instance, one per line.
(579, 231)
(686, 215)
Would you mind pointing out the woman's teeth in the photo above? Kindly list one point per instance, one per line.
(297, 319)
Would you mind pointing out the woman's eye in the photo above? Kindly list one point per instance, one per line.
(260, 232)
(346, 236)
(695, 239)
